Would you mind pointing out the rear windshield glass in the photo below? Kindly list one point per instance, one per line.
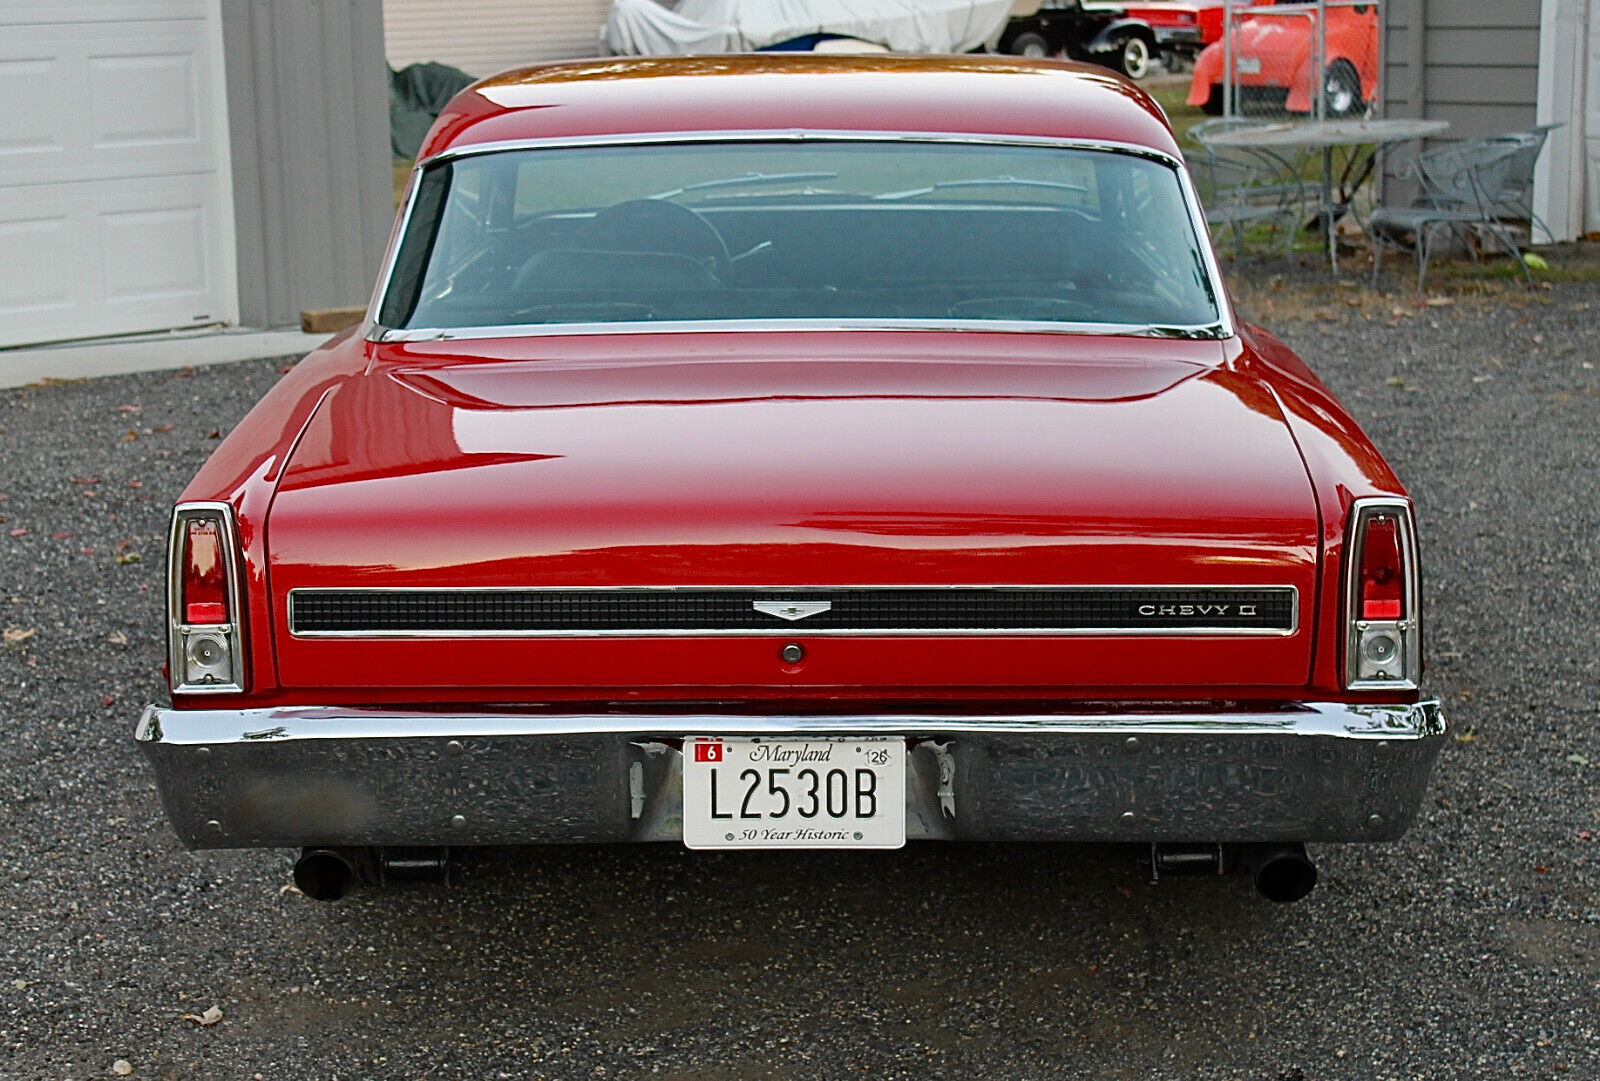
(813, 230)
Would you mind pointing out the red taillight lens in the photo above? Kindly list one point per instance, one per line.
(1382, 572)
(204, 582)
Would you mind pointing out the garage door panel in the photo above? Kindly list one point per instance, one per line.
(155, 255)
(30, 122)
(107, 257)
(144, 100)
(125, 97)
(36, 267)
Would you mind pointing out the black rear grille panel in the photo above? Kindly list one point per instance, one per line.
(578, 612)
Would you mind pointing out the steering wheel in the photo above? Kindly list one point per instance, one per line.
(656, 225)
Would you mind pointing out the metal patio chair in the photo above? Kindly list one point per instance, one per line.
(1240, 186)
(1472, 189)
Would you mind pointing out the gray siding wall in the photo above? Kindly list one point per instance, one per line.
(1474, 63)
(309, 117)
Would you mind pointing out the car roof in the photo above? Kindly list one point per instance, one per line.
(964, 95)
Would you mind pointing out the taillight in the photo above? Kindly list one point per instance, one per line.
(205, 591)
(1382, 571)
(204, 636)
(1384, 640)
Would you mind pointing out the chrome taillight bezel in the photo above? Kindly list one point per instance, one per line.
(1360, 672)
(181, 635)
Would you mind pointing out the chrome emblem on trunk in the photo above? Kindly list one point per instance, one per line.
(791, 610)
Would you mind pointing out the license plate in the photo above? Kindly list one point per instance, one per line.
(794, 793)
(1249, 65)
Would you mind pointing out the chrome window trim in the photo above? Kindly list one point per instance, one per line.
(176, 628)
(1409, 625)
(798, 629)
(1224, 326)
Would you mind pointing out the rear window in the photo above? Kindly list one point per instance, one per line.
(881, 231)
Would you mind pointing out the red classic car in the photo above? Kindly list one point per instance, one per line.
(1276, 61)
(796, 451)
(1181, 29)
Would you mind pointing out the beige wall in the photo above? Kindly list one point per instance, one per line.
(482, 37)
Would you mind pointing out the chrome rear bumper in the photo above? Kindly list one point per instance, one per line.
(346, 776)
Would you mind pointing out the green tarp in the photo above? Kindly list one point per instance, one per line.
(417, 94)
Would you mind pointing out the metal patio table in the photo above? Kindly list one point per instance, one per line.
(1364, 141)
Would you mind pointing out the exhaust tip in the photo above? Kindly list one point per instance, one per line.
(1283, 874)
(324, 874)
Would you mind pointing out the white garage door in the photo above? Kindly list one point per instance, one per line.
(115, 211)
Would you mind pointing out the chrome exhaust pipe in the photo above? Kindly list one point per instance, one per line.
(1281, 872)
(325, 874)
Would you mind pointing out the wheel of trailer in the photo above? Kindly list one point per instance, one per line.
(1134, 57)
(1341, 90)
(1032, 45)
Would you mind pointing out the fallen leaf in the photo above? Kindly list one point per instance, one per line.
(122, 1067)
(162, 428)
(20, 531)
(129, 436)
(1482, 378)
(117, 638)
(14, 636)
(1541, 870)
(211, 1016)
(60, 536)
(84, 480)
(110, 701)
(1469, 736)
(1440, 302)
(1394, 381)
(1585, 835)
(1577, 760)
(130, 408)
(215, 433)
(1535, 261)
(136, 484)
(127, 557)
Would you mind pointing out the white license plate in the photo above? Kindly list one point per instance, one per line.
(1249, 65)
(794, 793)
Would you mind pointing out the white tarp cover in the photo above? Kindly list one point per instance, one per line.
(646, 28)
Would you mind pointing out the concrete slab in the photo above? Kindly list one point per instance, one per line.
(148, 353)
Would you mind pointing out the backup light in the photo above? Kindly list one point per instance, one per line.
(1383, 642)
(204, 639)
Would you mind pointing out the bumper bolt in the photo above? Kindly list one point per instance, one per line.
(793, 653)
(458, 822)
(1374, 822)
(454, 748)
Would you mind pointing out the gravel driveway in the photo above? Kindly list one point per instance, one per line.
(1469, 950)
